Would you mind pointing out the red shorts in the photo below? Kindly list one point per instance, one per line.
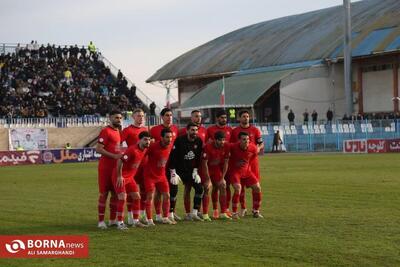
(255, 168)
(105, 173)
(161, 184)
(215, 176)
(129, 185)
(248, 179)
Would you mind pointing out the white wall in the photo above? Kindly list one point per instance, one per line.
(378, 91)
(318, 88)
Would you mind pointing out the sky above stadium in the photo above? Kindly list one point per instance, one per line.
(139, 37)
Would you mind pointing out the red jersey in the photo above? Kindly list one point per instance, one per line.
(157, 160)
(131, 134)
(132, 158)
(111, 139)
(254, 134)
(155, 132)
(202, 133)
(215, 157)
(239, 161)
(215, 128)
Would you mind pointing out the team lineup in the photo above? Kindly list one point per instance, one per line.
(143, 169)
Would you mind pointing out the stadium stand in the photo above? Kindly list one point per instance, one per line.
(49, 81)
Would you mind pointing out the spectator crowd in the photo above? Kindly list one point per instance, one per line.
(43, 81)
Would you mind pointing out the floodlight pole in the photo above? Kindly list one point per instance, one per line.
(347, 57)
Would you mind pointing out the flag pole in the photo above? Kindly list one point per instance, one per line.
(223, 92)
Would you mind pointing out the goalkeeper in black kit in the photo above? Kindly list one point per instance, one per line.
(185, 159)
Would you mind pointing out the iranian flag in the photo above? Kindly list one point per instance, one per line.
(222, 98)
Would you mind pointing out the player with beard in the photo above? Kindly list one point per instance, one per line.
(215, 165)
(221, 125)
(184, 163)
(196, 117)
(155, 175)
(130, 135)
(167, 123)
(124, 183)
(256, 139)
(240, 174)
(108, 145)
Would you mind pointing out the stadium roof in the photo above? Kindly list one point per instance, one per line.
(294, 39)
(241, 90)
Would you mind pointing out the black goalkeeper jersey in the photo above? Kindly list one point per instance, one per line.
(185, 155)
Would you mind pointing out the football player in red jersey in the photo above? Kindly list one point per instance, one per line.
(130, 135)
(155, 175)
(215, 165)
(108, 145)
(221, 125)
(256, 139)
(195, 117)
(124, 183)
(240, 173)
(155, 132)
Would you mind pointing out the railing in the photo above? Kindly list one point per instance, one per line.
(63, 122)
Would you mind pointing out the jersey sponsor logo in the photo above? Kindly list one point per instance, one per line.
(190, 155)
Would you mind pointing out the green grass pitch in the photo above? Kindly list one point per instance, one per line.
(320, 210)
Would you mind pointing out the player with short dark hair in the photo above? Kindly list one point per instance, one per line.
(108, 145)
(184, 163)
(215, 165)
(220, 125)
(130, 135)
(195, 117)
(256, 139)
(155, 175)
(124, 183)
(167, 123)
(240, 175)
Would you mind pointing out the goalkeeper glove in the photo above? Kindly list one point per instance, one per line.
(175, 179)
(196, 176)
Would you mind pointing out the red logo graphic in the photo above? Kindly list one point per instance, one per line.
(44, 246)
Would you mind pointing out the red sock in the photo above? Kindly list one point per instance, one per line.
(101, 207)
(149, 211)
(135, 208)
(157, 205)
(120, 209)
(222, 202)
(243, 198)
(186, 201)
(214, 198)
(129, 202)
(256, 200)
(113, 207)
(206, 203)
(228, 196)
(235, 201)
(142, 198)
(165, 207)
